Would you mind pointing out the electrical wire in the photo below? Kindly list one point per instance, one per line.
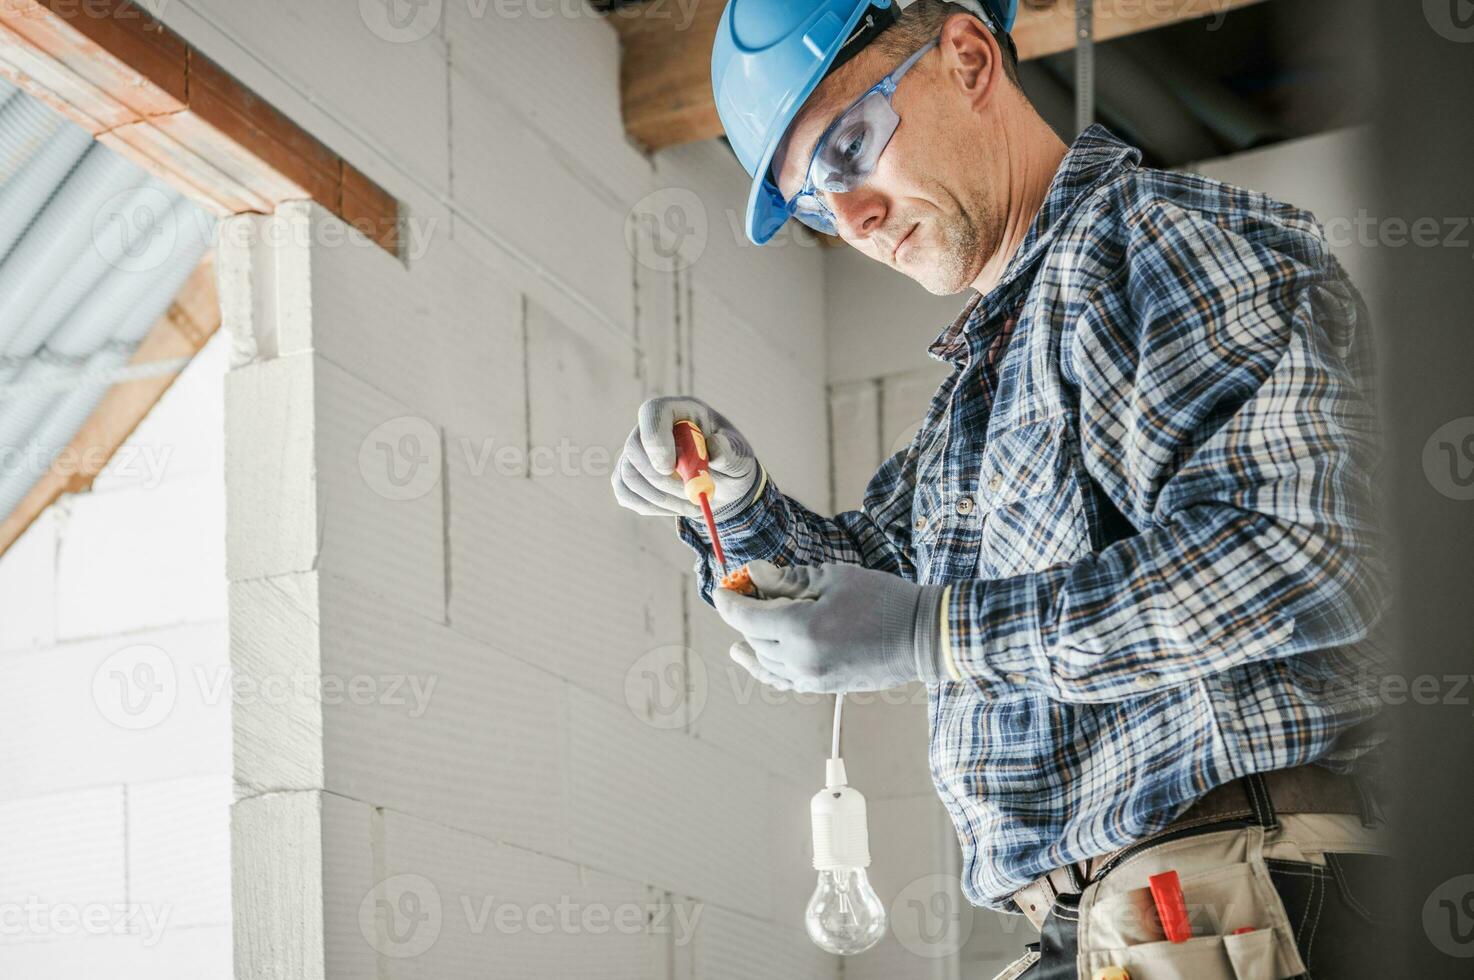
(838, 712)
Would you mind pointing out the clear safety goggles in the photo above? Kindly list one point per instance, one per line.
(848, 152)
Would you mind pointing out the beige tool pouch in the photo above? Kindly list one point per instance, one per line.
(1227, 888)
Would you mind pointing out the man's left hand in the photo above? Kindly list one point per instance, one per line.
(832, 628)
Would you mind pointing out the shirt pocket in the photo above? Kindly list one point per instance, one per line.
(1030, 502)
(934, 530)
(944, 536)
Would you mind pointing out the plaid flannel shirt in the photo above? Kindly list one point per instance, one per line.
(1148, 484)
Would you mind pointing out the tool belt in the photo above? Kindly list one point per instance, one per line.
(1303, 789)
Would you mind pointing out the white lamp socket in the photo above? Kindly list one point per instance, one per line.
(841, 831)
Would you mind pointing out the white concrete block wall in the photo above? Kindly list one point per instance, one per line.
(390, 546)
(134, 708)
(854, 440)
(500, 904)
(879, 322)
(280, 860)
(737, 947)
(132, 558)
(519, 555)
(178, 953)
(771, 397)
(472, 737)
(178, 839)
(554, 758)
(731, 710)
(572, 381)
(324, 68)
(512, 182)
(28, 586)
(774, 290)
(76, 847)
(115, 711)
(886, 738)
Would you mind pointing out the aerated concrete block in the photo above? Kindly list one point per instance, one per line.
(179, 849)
(481, 902)
(141, 707)
(672, 811)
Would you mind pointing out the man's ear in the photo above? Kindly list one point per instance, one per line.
(970, 58)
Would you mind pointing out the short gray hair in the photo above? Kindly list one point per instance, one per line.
(922, 20)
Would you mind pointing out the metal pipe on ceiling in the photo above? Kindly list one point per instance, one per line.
(39, 263)
(1139, 108)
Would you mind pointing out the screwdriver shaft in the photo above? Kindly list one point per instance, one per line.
(711, 530)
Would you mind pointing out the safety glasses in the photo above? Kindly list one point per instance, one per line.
(848, 152)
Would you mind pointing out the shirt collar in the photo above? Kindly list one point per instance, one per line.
(1094, 157)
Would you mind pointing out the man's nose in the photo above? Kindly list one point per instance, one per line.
(858, 214)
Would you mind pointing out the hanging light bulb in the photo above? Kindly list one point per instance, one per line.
(844, 916)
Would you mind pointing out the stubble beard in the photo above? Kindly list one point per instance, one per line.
(956, 259)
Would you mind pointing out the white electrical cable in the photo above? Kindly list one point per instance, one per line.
(837, 812)
(838, 712)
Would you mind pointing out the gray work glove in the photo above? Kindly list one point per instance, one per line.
(832, 628)
(645, 479)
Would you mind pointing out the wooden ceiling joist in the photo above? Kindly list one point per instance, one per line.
(141, 90)
(665, 69)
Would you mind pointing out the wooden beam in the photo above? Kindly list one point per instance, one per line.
(191, 319)
(143, 91)
(1050, 28)
(665, 72)
(665, 66)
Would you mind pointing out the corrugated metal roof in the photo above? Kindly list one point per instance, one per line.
(92, 251)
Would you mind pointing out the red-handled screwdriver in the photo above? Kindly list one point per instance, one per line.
(696, 476)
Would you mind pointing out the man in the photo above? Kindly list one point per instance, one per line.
(1130, 550)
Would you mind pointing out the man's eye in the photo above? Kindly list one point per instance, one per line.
(852, 148)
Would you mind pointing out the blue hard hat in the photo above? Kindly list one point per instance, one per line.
(769, 56)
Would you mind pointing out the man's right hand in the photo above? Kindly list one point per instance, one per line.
(645, 480)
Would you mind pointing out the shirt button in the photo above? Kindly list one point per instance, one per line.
(920, 524)
(964, 506)
(996, 483)
(1017, 679)
(1146, 680)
